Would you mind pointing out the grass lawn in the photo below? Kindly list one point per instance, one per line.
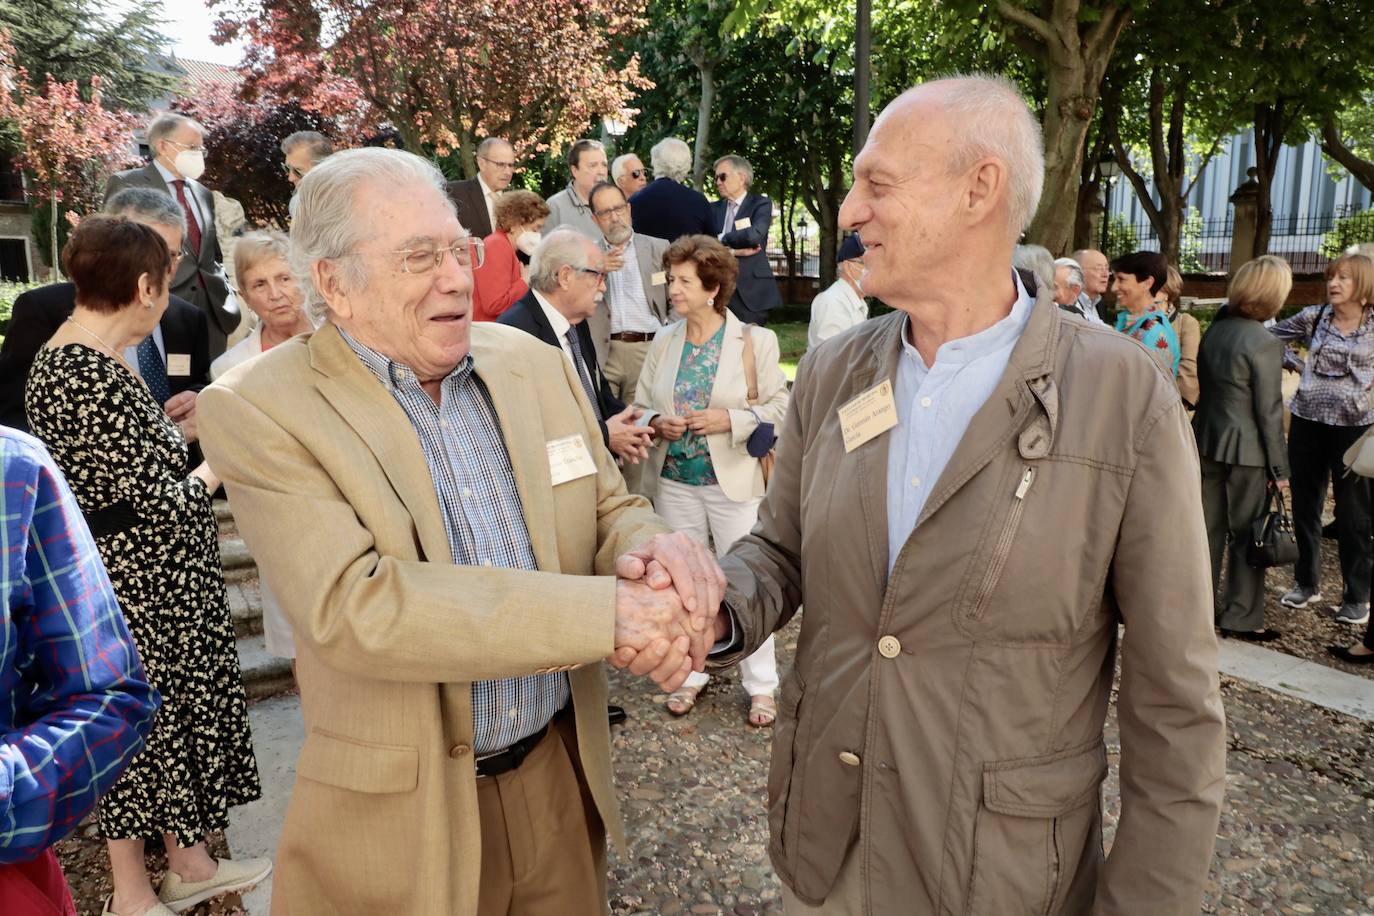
(791, 344)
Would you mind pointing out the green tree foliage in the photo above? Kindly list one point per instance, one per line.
(1351, 230)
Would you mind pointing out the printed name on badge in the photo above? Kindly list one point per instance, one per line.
(569, 459)
(658, 278)
(867, 415)
(742, 223)
(179, 364)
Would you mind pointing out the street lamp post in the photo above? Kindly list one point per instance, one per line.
(1108, 168)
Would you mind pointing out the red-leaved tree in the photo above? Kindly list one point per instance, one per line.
(69, 142)
(443, 73)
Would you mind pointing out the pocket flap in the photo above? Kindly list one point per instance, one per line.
(1047, 786)
(376, 769)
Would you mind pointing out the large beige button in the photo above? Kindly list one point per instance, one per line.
(849, 759)
(459, 750)
(889, 647)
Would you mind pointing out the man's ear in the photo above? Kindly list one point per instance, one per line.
(987, 189)
(328, 279)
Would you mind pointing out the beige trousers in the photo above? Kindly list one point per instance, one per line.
(623, 362)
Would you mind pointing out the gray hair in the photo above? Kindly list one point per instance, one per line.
(1038, 260)
(619, 163)
(1075, 276)
(741, 165)
(671, 158)
(485, 146)
(560, 248)
(165, 124)
(147, 205)
(326, 226)
(1364, 248)
(315, 142)
(991, 119)
(252, 248)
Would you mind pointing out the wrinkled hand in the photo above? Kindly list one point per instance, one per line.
(615, 259)
(705, 422)
(670, 428)
(685, 564)
(746, 252)
(1280, 485)
(627, 440)
(651, 633)
(181, 408)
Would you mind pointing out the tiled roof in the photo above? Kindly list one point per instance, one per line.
(200, 72)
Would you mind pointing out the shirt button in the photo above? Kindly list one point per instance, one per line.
(467, 493)
(849, 759)
(515, 713)
(459, 750)
(443, 424)
(889, 647)
(486, 562)
(915, 481)
(925, 402)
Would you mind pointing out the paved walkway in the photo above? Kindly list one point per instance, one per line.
(1295, 838)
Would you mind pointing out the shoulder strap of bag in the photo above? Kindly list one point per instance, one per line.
(751, 369)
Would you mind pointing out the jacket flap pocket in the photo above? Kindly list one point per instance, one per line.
(377, 769)
(1047, 786)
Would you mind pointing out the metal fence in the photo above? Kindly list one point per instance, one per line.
(1206, 244)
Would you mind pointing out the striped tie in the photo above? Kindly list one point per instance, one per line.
(580, 364)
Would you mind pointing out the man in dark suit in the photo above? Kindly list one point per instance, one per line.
(741, 221)
(177, 144)
(567, 277)
(669, 208)
(476, 198)
(177, 359)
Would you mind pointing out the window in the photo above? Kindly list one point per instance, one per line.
(14, 260)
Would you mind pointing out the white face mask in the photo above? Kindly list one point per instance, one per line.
(527, 241)
(190, 163)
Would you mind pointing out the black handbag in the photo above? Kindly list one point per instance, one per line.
(1272, 542)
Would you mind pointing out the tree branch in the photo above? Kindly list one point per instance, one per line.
(1335, 147)
(1027, 20)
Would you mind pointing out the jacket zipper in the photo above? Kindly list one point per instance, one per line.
(1003, 548)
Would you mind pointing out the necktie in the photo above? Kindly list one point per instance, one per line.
(192, 227)
(153, 371)
(581, 365)
(730, 212)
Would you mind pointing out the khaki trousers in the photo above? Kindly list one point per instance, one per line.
(543, 844)
(846, 897)
(623, 362)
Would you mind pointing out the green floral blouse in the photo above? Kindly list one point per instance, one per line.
(688, 460)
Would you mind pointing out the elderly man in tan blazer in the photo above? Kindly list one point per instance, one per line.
(434, 506)
(969, 521)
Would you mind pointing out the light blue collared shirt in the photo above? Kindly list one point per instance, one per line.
(934, 408)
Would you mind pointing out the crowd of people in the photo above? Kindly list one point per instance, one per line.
(480, 441)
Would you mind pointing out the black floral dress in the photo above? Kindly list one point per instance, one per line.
(126, 462)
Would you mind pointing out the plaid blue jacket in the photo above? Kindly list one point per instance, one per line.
(75, 705)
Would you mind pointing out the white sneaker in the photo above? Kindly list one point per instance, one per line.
(231, 876)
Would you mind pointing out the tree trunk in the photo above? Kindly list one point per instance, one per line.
(1271, 124)
(52, 236)
(863, 32)
(708, 99)
(1335, 147)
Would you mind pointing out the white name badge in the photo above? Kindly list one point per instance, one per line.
(742, 223)
(867, 415)
(658, 278)
(179, 364)
(569, 459)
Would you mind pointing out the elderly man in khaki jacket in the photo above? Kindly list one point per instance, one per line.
(978, 518)
(437, 514)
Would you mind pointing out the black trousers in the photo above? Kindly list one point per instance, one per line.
(1314, 455)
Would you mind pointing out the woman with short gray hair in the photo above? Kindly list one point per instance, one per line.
(267, 286)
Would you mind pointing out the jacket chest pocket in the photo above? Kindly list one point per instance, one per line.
(1038, 825)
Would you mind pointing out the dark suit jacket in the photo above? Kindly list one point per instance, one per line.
(527, 315)
(756, 290)
(1239, 418)
(38, 314)
(472, 207)
(667, 209)
(200, 281)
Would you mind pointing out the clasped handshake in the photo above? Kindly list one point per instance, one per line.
(667, 609)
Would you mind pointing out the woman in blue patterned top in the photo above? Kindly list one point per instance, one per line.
(1332, 409)
(1137, 279)
(695, 396)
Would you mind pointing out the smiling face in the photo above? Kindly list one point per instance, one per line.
(271, 292)
(1134, 294)
(419, 318)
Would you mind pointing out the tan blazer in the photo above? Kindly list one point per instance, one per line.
(950, 714)
(332, 494)
(738, 472)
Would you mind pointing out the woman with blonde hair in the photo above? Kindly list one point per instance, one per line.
(1188, 332)
(266, 285)
(1330, 411)
(1239, 430)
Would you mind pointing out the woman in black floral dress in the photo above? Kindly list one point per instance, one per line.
(126, 462)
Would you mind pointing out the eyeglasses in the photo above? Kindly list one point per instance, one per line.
(468, 252)
(290, 169)
(637, 174)
(599, 274)
(722, 176)
(499, 165)
(611, 211)
(193, 149)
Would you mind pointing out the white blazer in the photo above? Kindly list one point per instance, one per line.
(739, 474)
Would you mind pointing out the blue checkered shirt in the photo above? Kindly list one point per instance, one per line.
(468, 462)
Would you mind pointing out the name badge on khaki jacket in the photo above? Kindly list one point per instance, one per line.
(569, 459)
(179, 364)
(658, 278)
(867, 415)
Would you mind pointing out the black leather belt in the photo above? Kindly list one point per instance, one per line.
(633, 336)
(511, 758)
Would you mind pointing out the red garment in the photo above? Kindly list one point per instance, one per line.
(192, 227)
(35, 888)
(497, 284)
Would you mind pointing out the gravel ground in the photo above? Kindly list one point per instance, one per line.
(1296, 834)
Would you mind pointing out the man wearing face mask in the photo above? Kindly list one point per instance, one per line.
(178, 147)
(841, 305)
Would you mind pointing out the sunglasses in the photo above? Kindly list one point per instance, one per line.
(292, 170)
(721, 176)
(637, 174)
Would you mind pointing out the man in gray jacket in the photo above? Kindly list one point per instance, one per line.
(570, 207)
(972, 521)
